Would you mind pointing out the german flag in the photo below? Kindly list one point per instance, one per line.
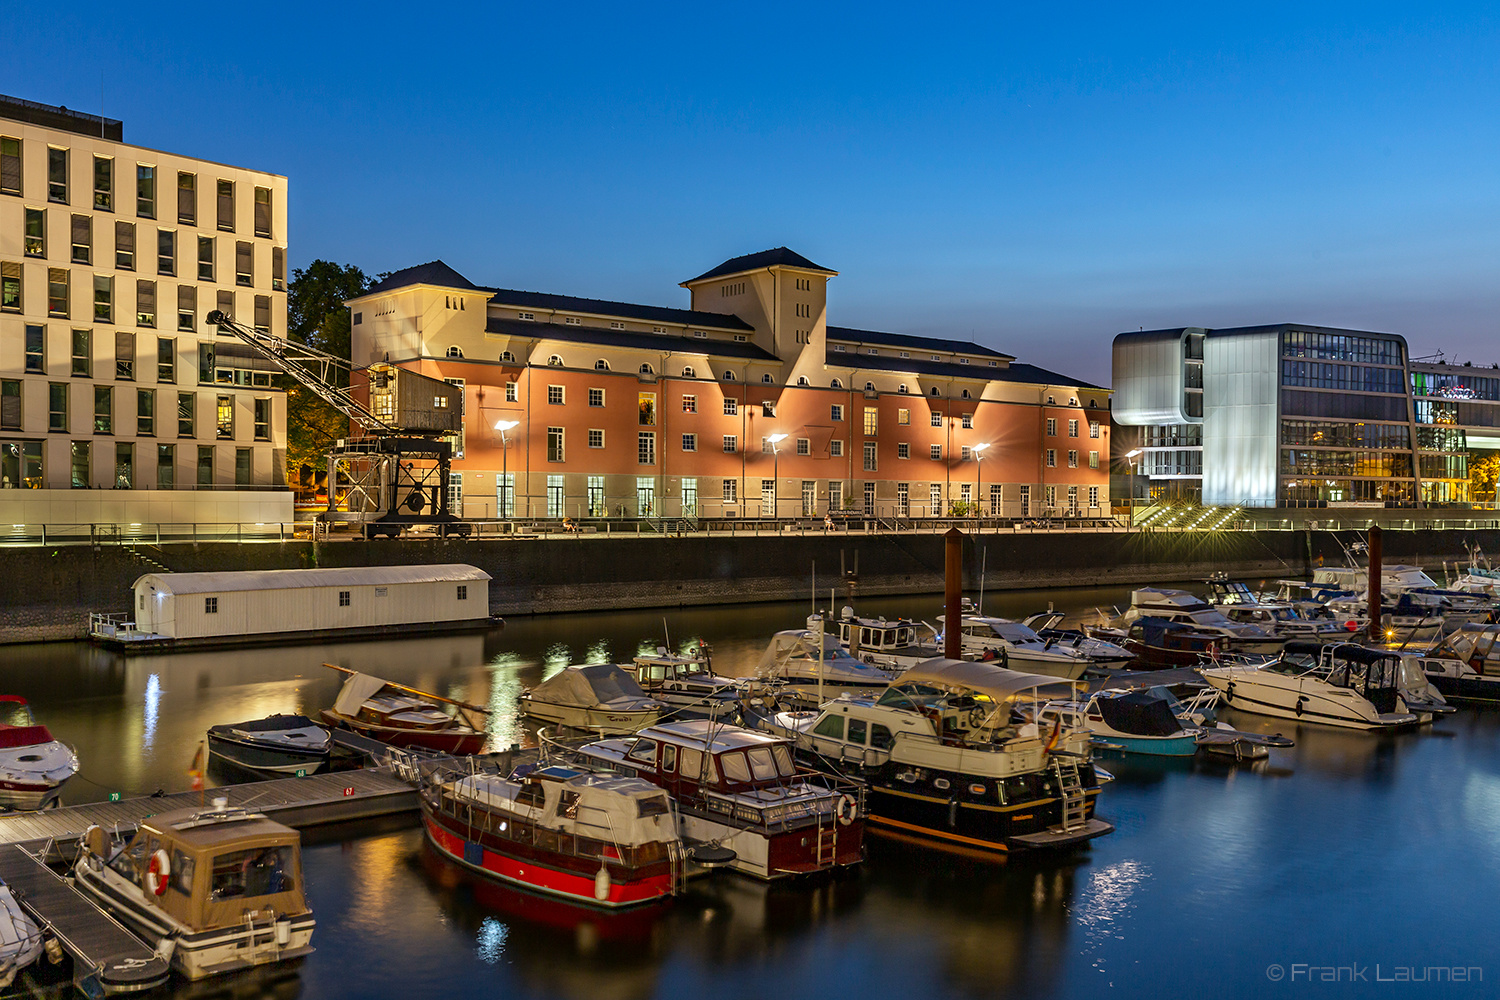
(195, 770)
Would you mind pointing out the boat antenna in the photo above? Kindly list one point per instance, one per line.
(814, 586)
(666, 634)
(983, 556)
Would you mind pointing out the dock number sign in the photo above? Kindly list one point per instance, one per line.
(348, 792)
(114, 796)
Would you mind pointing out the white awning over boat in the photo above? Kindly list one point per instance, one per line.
(356, 691)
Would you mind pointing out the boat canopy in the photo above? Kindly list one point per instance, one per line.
(1139, 713)
(1000, 684)
(357, 690)
(792, 643)
(1159, 598)
(588, 686)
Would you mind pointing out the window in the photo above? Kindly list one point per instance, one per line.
(10, 165)
(510, 392)
(508, 357)
(903, 417)
(145, 191)
(125, 246)
(601, 365)
(836, 449)
(869, 456)
(36, 349)
(872, 415)
(224, 419)
(343, 598)
(57, 407)
(187, 199)
(1093, 428)
(766, 447)
(646, 448)
(243, 468)
(554, 444)
(646, 408)
(804, 446)
(226, 205)
(1072, 459)
(463, 592)
(263, 420)
(937, 420)
(57, 175)
(616, 325)
(936, 452)
(263, 315)
(1072, 499)
(554, 361)
(570, 321)
(869, 387)
(689, 404)
(166, 466)
(903, 450)
(104, 298)
(1072, 428)
(206, 258)
(10, 286)
(555, 395)
(145, 412)
(731, 407)
(731, 443)
(596, 438)
(964, 394)
(278, 273)
(688, 372)
(187, 308)
(124, 356)
(166, 252)
(647, 370)
(1051, 458)
(964, 454)
(205, 465)
(83, 353)
(186, 404)
(83, 239)
(766, 378)
(104, 183)
(124, 464)
(210, 605)
(968, 420)
(729, 376)
(244, 264)
(263, 212)
(1093, 496)
(1052, 427)
(104, 409)
(1093, 463)
(145, 304)
(526, 316)
(690, 442)
(455, 352)
(57, 292)
(35, 243)
(81, 454)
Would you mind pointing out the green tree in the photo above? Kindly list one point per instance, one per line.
(316, 316)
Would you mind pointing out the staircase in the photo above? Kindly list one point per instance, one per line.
(1070, 790)
(139, 556)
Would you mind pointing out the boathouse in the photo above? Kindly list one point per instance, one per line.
(255, 605)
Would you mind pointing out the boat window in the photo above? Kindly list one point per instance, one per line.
(182, 873)
(697, 767)
(644, 752)
(656, 805)
(831, 726)
(655, 672)
(761, 764)
(567, 804)
(864, 637)
(857, 730)
(131, 862)
(531, 795)
(735, 767)
(669, 758)
(261, 871)
(881, 738)
(784, 760)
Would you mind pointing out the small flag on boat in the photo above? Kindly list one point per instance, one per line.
(196, 770)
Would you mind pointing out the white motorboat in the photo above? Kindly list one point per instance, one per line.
(1017, 647)
(687, 685)
(1465, 665)
(1103, 655)
(1139, 721)
(20, 937)
(1190, 609)
(1240, 604)
(602, 697)
(813, 662)
(1335, 685)
(277, 744)
(212, 890)
(33, 765)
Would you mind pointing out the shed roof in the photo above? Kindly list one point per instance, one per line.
(286, 579)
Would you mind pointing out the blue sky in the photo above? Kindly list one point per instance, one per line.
(1034, 180)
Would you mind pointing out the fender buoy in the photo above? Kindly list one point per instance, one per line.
(847, 808)
(1351, 626)
(1300, 702)
(158, 871)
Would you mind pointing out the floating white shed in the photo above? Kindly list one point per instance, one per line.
(255, 604)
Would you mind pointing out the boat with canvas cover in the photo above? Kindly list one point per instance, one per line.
(1159, 644)
(813, 663)
(1189, 609)
(277, 744)
(403, 716)
(1344, 685)
(595, 839)
(1465, 665)
(33, 765)
(213, 890)
(598, 696)
(20, 937)
(1139, 721)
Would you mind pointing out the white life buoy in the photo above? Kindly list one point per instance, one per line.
(847, 809)
(158, 871)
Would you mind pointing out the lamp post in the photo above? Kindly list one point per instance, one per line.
(502, 427)
(1130, 456)
(776, 474)
(978, 450)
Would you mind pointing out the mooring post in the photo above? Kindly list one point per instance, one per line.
(953, 585)
(1372, 590)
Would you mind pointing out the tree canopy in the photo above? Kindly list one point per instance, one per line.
(316, 316)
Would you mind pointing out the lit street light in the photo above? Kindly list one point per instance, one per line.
(978, 450)
(502, 427)
(1130, 457)
(775, 474)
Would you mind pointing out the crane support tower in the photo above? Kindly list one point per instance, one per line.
(394, 475)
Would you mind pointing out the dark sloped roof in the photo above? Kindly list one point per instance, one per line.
(434, 272)
(755, 261)
(630, 339)
(915, 343)
(1029, 374)
(604, 307)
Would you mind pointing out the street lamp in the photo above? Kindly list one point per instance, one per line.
(978, 450)
(502, 427)
(1130, 457)
(775, 474)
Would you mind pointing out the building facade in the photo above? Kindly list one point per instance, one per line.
(111, 257)
(1292, 415)
(745, 404)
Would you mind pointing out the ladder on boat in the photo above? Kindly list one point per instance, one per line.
(1070, 792)
(827, 848)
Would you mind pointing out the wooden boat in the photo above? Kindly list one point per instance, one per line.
(214, 891)
(596, 839)
(403, 716)
(33, 765)
(277, 744)
(598, 696)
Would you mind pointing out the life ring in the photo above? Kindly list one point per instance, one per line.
(158, 871)
(846, 810)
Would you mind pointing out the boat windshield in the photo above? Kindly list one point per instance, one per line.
(15, 713)
(261, 871)
(910, 695)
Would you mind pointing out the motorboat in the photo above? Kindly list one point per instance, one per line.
(1189, 609)
(1465, 665)
(686, 685)
(33, 766)
(1336, 685)
(740, 791)
(403, 716)
(812, 662)
(1240, 604)
(277, 744)
(1159, 644)
(1139, 721)
(1412, 592)
(212, 890)
(601, 697)
(1017, 647)
(20, 937)
(594, 839)
(1196, 711)
(951, 761)
(1102, 654)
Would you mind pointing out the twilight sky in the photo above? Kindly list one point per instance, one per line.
(1037, 182)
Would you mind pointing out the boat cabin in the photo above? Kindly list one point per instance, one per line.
(211, 869)
(875, 635)
(665, 668)
(1374, 674)
(1172, 636)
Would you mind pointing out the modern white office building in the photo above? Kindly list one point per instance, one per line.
(111, 257)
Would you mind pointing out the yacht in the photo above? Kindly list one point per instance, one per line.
(812, 662)
(686, 685)
(1465, 665)
(1103, 655)
(598, 696)
(1159, 644)
(1240, 604)
(33, 766)
(1190, 609)
(950, 761)
(1343, 685)
(1016, 646)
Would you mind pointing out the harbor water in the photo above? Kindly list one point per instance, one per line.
(1349, 865)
